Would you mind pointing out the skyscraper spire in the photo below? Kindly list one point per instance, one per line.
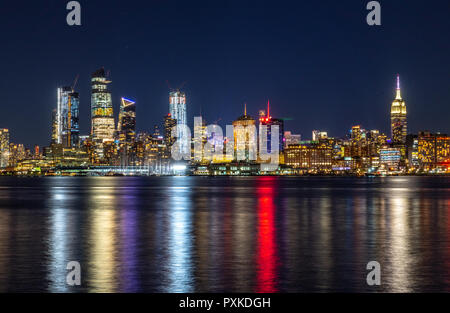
(268, 108)
(245, 109)
(397, 91)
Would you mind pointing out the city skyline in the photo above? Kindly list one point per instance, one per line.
(320, 65)
(67, 93)
(244, 149)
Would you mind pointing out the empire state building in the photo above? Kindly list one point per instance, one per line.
(398, 117)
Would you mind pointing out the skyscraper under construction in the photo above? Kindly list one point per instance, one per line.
(67, 129)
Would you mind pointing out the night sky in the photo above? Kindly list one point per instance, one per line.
(317, 61)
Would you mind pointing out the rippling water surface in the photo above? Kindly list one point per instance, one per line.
(203, 234)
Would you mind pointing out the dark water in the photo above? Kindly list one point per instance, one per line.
(201, 234)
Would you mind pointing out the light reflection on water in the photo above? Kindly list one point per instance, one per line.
(103, 242)
(194, 234)
(179, 263)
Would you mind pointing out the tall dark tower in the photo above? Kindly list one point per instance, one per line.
(398, 117)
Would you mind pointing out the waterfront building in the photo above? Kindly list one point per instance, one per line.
(32, 167)
(390, 159)
(229, 169)
(310, 156)
(58, 156)
(433, 151)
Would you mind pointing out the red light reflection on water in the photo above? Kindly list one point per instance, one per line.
(266, 248)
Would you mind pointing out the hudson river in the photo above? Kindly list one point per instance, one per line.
(205, 234)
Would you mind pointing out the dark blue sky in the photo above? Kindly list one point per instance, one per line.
(318, 62)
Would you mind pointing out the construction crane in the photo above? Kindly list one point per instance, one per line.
(75, 82)
(173, 89)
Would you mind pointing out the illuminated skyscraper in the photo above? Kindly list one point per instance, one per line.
(4, 147)
(398, 117)
(245, 138)
(177, 109)
(101, 112)
(67, 112)
(127, 121)
(270, 122)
